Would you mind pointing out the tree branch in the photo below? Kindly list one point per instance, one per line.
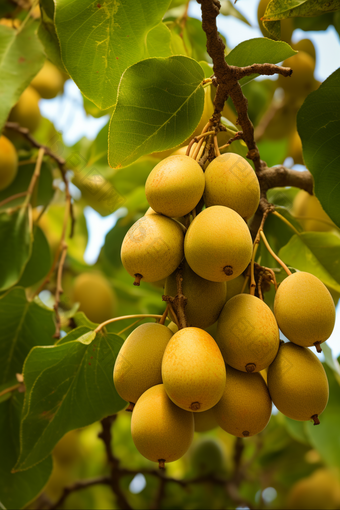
(77, 486)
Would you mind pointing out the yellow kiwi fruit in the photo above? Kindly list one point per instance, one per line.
(205, 421)
(231, 181)
(245, 407)
(138, 365)
(161, 431)
(295, 148)
(95, 296)
(67, 451)
(8, 162)
(175, 186)
(319, 490)
(49, 82)
(307, 46)
(207, 456)
(304, 309)
(218, 244)
(152, 248)
(193, 370)
(205, 299)
(26, 112)
(247, 333)
(309, 212)
(302, 81)
(297, 383)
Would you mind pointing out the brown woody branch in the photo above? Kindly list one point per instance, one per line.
(77, 486)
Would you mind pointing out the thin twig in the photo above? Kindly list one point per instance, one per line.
(273, 254)
(77, 486)
(116, 319)
(59, 290)
(13, 197)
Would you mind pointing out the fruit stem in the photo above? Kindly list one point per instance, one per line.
(246, 280)
(35, 176)
(161, 464)
(315, 419)
(164, 316)
(282, 218)
(116, 319)
(130, 407)
(217, 150)
(317, 347)
(255, 248)
(199, 155)
(138, 278)
(13, 197)
(129, 326)
(282, 264)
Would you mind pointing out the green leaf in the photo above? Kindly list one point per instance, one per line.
(45, 190)
(282, 9)
(17, 489)
(47, 33)
(318, 123)
(40, 261)
(21, 57)
(158, 42)
(16, 245)
(317, 253)
(258, 51)
(160, 103)
(331, 361)
(297, 430)
(99, 40)
(68, 386)
(23, 324)
(228, 9)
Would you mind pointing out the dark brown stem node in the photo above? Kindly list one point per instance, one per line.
(161, 464)
(317, 347)
(315, 419)
(228, 270)
(138, 278)
(245, 433)
(195, 406)
(250, 367)
(130, 407)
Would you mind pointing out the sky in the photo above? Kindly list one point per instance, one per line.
(77, 125)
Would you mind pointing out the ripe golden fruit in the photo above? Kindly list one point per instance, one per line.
(138, 365)
(286, 24)
(26, 112)
(319, 490)
(205, 421)
(8, 162)
(307, 46)
(295, 149)
(49, 82)
(283, 123)
(193, 370)
(152, 248)
(245, 407)
(205, 299)
(95, 296)
(175, 186)
(247, 333)
(308, 206)
(231, 181)
(297, 383)
(207, 457)
(302, 81)
(218, 244)
(304, 309)
(161, 431)
(68, 450)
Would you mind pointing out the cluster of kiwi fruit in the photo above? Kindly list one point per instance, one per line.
(179, 378)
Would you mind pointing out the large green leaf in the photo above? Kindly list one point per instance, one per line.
(68, 386)
(258, 51)
(160, 103)
(39, 262)
(21, 57)
(17, 489)
(318, 123)
(282, 9)
(99, 40)
(317, 253)
(23, 324)
(16, 245)
(228, 9)
(47, 33)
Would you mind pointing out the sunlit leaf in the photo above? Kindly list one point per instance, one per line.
(282, 9)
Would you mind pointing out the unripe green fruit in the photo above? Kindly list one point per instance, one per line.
(152, 248)
(138, 365)
(95, 296)
(231, 181)
(205, 299)
(207, 457)
(161, 431)
(26, 112)
(205, 421)
(302, 81)
(218, 244)
(297, 383)
(304, 309)
(49, 82)
(319, 490)
(8, 162)
(245, 407)
(175, 186)
(247, 333)
(193, 370)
